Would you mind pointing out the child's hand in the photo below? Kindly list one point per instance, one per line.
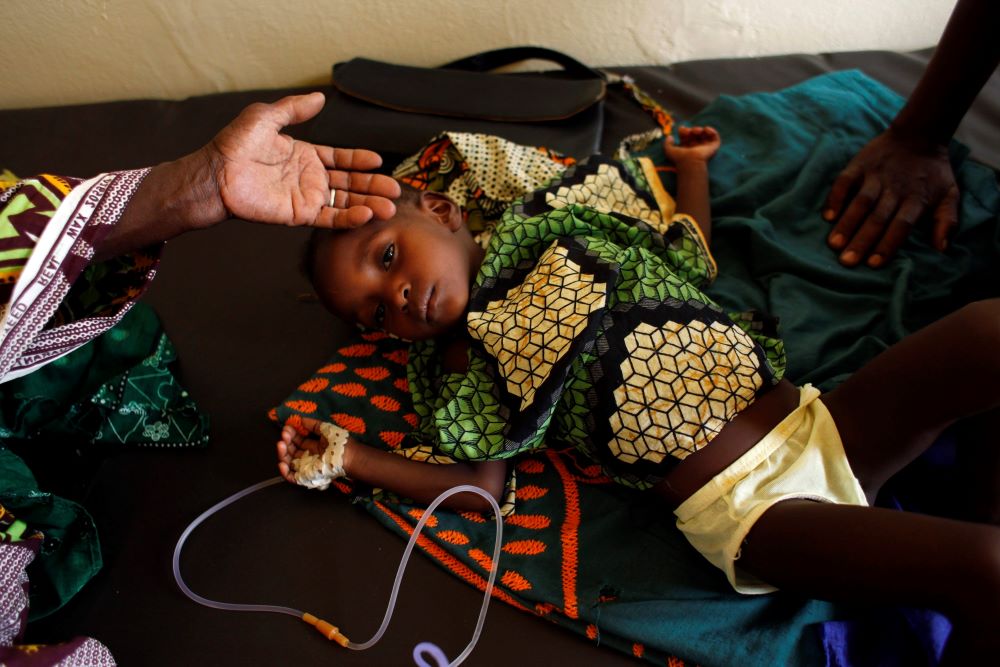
(697, 144)
(293, 445)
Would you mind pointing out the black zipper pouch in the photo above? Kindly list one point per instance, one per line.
(396, 109)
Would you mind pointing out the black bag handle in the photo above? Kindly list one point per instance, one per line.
(490, 60)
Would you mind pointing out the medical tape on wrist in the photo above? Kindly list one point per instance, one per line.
(317, 471)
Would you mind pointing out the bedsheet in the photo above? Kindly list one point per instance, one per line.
(232, 302)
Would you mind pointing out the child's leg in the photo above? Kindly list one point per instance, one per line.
(882, 556)
(887, 414)
(891, 410)
(979, 467)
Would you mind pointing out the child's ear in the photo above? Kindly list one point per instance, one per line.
(443, 209)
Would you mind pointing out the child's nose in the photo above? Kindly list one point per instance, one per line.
(402, 297)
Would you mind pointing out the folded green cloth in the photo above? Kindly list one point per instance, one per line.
(116, 391)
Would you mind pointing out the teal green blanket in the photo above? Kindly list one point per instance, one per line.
(608, 563)
(780, 154)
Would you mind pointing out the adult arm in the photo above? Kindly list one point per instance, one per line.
(57, 227)
(252, 171)
(420, 481)
(903, 175)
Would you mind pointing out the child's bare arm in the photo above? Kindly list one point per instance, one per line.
(690, 156)
(423, 482)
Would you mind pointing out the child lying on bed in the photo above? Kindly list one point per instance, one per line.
(584, 325)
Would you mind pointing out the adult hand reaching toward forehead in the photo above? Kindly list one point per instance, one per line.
(252, 170)
(249, 170)
(263, 175)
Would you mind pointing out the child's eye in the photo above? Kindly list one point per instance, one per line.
(390, 252)
(379, 315)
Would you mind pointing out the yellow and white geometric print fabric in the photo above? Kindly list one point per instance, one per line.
(681, 384)
(530, 330)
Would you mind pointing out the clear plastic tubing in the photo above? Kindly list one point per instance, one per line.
(420, 651)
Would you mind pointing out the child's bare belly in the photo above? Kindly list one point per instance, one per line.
(735, 438)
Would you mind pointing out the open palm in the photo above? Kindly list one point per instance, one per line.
(266, 176)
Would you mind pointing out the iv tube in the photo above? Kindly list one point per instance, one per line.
(423, 647)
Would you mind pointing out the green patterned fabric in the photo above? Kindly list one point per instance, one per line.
(581, 279)
(70, 552)
(116, 391)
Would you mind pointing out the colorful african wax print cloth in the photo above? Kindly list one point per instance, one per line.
(49, 228)
(86, 370)
(118, 390)
(19, 546)
(589, 329)
(481, 173)
(57, 425)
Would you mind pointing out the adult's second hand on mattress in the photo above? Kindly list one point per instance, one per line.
(329, 630)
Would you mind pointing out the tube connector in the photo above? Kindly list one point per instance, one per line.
(328, 630)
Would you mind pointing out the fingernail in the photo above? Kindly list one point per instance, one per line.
(828, 214)
(875, 261)
(849, 257)
(837, 240)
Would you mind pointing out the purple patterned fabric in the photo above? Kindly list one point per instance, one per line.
(77, 652)
(57, 228)
(14, 558)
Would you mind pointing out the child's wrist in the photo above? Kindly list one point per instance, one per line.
(316, 471)
(691, 164)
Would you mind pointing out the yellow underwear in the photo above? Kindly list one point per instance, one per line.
(802, 457)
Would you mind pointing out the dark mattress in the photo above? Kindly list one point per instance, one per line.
(231, 300)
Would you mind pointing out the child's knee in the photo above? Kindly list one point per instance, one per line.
(981, 590)
(980, 321)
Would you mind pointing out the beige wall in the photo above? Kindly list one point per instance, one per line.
(67, 51)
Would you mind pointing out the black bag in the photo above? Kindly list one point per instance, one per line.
(396, 109)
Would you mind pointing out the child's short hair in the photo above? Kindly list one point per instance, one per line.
(409, 196)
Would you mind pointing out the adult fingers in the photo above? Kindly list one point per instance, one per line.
(857, 211)
(365, 183)
(871, 231)
(295, 109)
(902, 223)
(380, 207)
(945, 218)
(349, 216)
(343, 218)
(842, 185)
(349, 158)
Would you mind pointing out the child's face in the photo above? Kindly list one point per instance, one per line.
(409, 275)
